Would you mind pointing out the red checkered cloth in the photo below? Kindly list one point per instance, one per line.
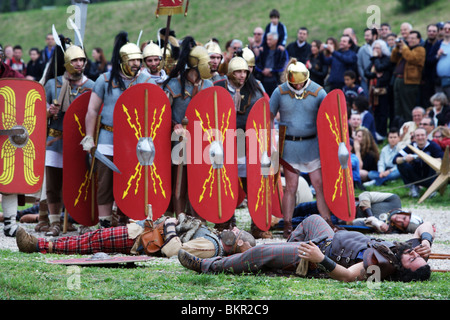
(107, 240)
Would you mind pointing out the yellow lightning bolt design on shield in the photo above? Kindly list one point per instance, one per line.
(137, 129)
(208, 130)
(340, 179)
(155, 125)
(86, 182)
(156, 178)
(137, 175)
(80, 128)
(262, 144)
(8, 154)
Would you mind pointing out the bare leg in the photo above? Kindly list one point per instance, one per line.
(105, 214)
(288, 203)
(316, 181)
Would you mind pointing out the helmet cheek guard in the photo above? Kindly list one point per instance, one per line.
(72, 53)
(129, 51)
(199, 58)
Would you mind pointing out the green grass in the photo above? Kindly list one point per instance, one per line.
(225, 20)
(29, 277)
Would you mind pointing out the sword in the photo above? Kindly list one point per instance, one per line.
(101, 157)
(55, 56)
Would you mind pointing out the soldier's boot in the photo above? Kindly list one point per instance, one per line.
(190, 261)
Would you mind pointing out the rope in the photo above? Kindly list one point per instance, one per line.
(409, 184)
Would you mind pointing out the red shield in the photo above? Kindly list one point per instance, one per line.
(334, 145)
(79, 183)
(277, 192)
(23, 108)
(142, 115)
(212, 183)
(260, 178)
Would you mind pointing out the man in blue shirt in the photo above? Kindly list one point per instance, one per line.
(340, 61)
(412, 168)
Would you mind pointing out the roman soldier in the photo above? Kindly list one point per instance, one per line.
(190, 75)
(126, 72)
(153, 55)
(172, 48)
(9, 201)
(245, 91)
(216, 58)
(68, 86)
(297, 101)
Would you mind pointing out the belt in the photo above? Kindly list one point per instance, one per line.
(54, 133)
(107, 128)
(293, 138)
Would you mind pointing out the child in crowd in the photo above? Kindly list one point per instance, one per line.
(351, 89)
(387, 170)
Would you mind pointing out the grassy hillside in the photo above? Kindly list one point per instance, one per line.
(224, 19)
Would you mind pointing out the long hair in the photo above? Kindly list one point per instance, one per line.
(368, 144)
(120, 40)
(404, 274)
(180, 69)
(251, 82)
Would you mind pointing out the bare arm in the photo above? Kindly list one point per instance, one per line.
(95, 102)
(313, 254)
(424, 249)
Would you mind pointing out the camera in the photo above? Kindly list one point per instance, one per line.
(398, 40)
(325, 46)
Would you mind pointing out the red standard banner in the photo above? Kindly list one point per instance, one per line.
(170, 7)
(23, 130)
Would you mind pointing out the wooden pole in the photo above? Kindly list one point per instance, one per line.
(219, 190)
(345, 170)
(146, 209)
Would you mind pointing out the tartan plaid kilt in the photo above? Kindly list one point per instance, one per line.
(107, 240)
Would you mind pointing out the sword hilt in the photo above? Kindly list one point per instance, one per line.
(56, 104)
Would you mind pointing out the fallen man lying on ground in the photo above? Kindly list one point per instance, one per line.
(185, 232)
(314, 250)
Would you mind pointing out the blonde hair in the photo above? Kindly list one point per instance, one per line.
(443, 130)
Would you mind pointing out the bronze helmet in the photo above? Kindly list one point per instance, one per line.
(129, 51)
(199, 58)
(249, 56)
(297, 72)
(71, 53)
(152, 49)
(235, 64)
